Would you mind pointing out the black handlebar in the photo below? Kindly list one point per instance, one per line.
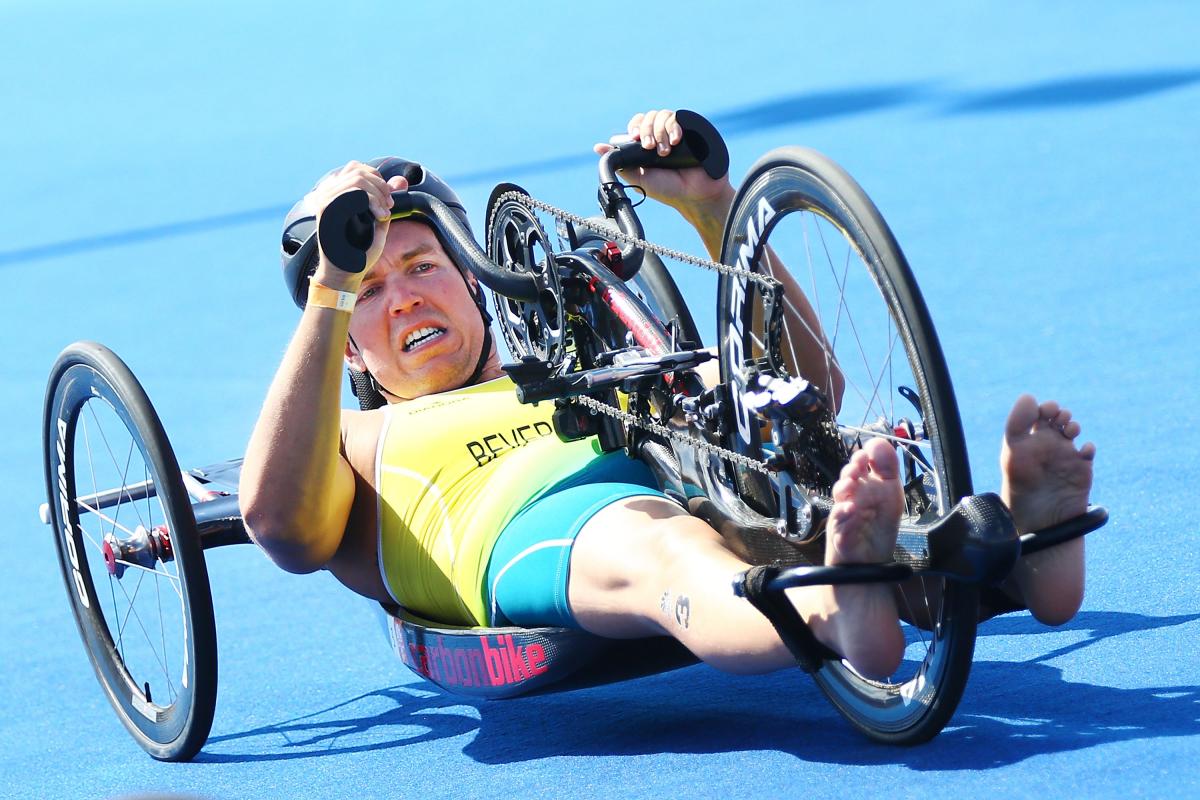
(347, 229)
(700, 146)
(347, 226)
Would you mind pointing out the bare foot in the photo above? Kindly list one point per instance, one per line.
(863, 623)
(1046, 481)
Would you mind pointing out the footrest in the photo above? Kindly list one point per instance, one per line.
(791, 577)
(1092, 519)
(758, 585)
(976, 542)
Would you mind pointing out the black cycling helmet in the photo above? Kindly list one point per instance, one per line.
(299, 254)
(298, 250)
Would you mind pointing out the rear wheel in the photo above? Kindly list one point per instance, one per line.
(130, 556)
(854, 324)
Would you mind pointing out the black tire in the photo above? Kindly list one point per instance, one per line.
(98, 424)
(821, 227)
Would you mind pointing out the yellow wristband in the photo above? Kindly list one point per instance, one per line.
(325, 297)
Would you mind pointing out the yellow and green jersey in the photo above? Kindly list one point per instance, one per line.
(452, 469)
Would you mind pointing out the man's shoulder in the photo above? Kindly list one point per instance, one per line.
(360, 438)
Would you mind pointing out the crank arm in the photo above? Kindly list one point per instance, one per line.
(613, 377)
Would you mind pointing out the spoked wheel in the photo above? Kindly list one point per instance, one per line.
(854, 324)
(129, 553)
(516, 241)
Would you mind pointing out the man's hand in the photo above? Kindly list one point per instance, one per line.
(354, 175)
(703, 201)
(686, 190)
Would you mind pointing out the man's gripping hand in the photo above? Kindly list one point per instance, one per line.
(354, 175)
(703, 201)
(690, 191)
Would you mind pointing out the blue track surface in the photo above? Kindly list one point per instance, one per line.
(1039, 163)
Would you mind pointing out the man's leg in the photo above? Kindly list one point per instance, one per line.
(643, 567)
(1046, 481)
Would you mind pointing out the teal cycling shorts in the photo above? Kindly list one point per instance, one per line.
(526, 579)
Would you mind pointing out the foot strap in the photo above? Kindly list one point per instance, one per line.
(809, 653)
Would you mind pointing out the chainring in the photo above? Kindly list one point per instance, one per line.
(517, 242)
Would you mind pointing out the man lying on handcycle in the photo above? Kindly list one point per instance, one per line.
(457, 502)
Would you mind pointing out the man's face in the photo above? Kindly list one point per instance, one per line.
(417, 328)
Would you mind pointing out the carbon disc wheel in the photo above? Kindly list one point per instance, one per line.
(130, 556)
(852, 322)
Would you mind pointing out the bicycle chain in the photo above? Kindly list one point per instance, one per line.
(648, 423)
(618, 236)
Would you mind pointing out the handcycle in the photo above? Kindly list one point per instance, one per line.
(598, 327)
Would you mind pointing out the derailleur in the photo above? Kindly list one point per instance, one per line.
(807, 452)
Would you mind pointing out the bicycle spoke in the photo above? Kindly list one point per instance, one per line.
(124, 473)
(116, 525)
(138, 618)
(890, 437)
(82, 421)
(174, 579)
(162, 631)
(111, 456)
(113, 593)
(912, 616)
(831, 339)
(829, 357)
(125, 486)
(88, 448)
(891, 393)
(875, 392)
(849, 317)
(149, 505)
(828, 344)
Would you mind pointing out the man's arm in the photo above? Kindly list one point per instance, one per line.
(296, 487)
(705, 203)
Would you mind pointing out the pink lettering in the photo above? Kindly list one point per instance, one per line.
(519, 668)
(537, 659)
(495, 664)
(462, 667)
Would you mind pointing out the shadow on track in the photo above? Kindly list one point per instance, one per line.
(1012, 711)
(780, 111)
(1087, 91)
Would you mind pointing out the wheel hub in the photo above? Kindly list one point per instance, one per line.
(142, 548)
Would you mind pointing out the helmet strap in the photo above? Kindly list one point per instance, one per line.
(480, 303)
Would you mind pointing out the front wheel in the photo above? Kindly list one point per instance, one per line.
(129, 552)
(853, 323)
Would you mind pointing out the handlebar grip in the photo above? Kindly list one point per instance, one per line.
(701, 146)
(347, 229)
